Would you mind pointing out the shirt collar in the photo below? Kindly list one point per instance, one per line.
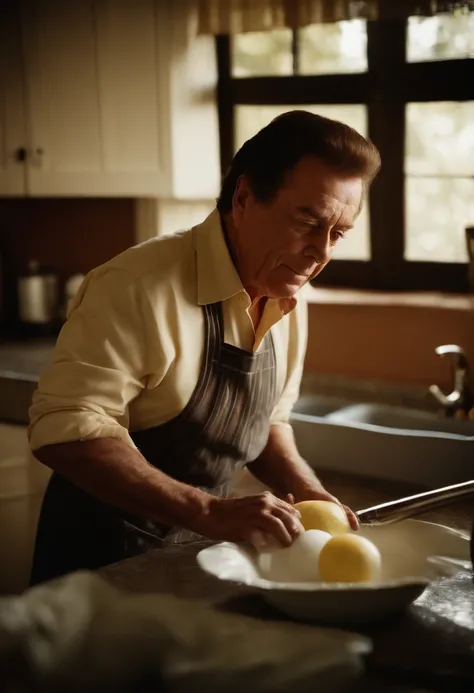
(217, 277)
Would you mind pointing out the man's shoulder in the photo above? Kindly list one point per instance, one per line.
(157, 258)
(161, 268)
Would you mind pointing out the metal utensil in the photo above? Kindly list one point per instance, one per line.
(400, 509)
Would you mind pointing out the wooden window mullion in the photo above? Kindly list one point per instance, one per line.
(386, 113)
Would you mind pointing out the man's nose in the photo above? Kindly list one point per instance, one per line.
(320, 249)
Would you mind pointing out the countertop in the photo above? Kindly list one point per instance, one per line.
(21, 364)
(431, 648)
(26, 359)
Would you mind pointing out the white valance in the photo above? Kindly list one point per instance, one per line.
(240, 16)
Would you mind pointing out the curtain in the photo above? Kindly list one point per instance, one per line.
(240, 16)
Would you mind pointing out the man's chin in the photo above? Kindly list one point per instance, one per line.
(286, 289)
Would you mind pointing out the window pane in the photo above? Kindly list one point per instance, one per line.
(250, 119)
(333, 48)
(439, 162)
(440, 138)
(443, 37)
(437, 212)
(260, 53)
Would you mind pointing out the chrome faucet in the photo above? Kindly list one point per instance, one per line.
(461, 397)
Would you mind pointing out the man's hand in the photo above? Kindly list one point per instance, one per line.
(281, 467)
(242, 519)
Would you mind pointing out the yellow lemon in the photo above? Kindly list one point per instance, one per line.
(349, 558)
(323, 515)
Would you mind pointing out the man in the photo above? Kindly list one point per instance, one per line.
(181, 360)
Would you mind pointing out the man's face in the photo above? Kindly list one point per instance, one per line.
(284, 243)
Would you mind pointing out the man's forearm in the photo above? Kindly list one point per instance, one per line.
(119, 475)
(281, 467)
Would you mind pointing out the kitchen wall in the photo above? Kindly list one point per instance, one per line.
(389, 337)
(69, 235)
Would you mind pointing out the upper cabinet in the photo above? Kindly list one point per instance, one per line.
(103, 82)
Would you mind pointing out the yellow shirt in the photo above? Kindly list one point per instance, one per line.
(129, 355)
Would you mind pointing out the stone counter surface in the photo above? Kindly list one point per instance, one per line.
(428, 649)
(21, 364)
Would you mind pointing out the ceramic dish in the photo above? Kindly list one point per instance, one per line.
(410, 550)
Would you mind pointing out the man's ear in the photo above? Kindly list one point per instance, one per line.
(240, 199)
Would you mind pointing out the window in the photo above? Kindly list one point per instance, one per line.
(338, 48)
(262, 53)
(321, 49)
(442, 37)
(410, 87)
(439, 182)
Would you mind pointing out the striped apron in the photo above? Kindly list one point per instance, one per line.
(224, 426)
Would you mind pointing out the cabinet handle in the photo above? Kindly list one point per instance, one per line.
(21, 155)
(36, 156)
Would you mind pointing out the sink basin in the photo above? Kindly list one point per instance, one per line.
(398, 417)
(390, 442)
(320, 405)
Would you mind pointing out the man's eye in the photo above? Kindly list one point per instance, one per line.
(309, 226)
(337, 236)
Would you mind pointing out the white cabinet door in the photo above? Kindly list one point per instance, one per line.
(12, 115)
(133, 96)
(62, 100)
(94, 98)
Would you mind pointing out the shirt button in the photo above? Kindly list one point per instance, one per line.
(241, 298)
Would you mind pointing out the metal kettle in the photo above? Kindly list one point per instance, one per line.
(37, 296)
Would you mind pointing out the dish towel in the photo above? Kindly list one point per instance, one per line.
(80, 634)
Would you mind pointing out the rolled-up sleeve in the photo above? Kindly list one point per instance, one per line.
(98, 365)
(297, 341)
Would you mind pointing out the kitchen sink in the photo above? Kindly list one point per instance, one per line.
(398, 417)
(385, 441)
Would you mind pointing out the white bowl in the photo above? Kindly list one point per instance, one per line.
(410, 561)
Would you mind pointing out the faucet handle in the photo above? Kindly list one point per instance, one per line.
(456, 352)
(447, 401)
(460, 396)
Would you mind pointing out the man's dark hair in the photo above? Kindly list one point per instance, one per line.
(274, 151)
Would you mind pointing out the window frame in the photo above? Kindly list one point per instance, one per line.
(388, 85)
